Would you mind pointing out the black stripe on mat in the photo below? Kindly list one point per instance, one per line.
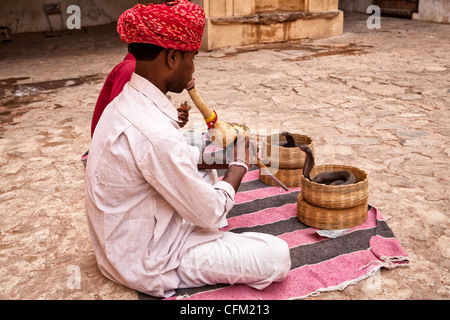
(253, 185)
(263, 203)
(331, 248)
(275, 228)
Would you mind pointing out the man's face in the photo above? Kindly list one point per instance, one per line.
(183, 71)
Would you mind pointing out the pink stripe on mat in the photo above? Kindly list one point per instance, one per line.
(249, 176)
(246, 196)
(301, 237)
(389, 250)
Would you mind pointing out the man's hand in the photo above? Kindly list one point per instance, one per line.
(244, 152)
(183, 114)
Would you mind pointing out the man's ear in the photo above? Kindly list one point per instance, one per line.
(171, 57)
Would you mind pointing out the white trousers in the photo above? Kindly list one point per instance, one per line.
(255, 259)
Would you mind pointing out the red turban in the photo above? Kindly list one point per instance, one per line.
(173, 25)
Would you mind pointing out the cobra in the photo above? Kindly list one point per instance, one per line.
(290, 141)
(335, 178)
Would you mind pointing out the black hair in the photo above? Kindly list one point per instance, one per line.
(145, 51)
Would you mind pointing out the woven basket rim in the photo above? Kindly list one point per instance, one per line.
(294, 135)
(344, 167)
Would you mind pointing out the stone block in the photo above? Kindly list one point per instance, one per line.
(228, 8)
(321, 5)
(266, 5)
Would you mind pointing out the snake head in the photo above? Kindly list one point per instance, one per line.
(290, 141)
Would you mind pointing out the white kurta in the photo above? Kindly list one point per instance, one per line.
(153, 219)
(146, 203)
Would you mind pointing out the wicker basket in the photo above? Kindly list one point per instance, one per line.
(336, 197)
(285, 158)
(330, 219)
(290, 177)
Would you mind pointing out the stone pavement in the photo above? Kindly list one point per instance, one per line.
(375, 99)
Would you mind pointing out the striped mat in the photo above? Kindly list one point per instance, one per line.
(318, 263)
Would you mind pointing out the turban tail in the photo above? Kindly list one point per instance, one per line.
(174, 25)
